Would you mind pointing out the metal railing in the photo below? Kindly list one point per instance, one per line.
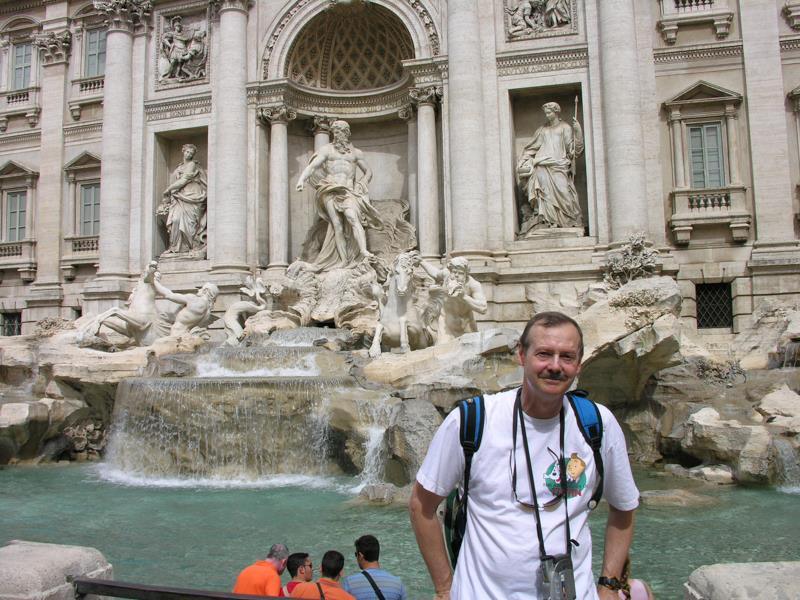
(123, 589)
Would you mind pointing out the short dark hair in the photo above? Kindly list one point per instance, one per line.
(332, 564)
(278, 551)
(369, 547)
(295, 561)
(550, 319)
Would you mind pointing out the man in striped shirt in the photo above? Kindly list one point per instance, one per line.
(372, 583)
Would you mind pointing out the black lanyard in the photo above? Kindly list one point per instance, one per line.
(518, 417)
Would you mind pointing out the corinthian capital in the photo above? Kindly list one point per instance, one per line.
(124, 14)
(322, 124)
(425, 95)
(217, 6)
(276, 114)
(54, 47)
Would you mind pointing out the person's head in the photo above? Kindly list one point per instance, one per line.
(299, 566)
(367, 549)
(340, 130)
(278, 555)
(189, 150)
(209, 290)
(459, 269)
(552, 110)
(550, 352)
(177, 23)
(332, 564)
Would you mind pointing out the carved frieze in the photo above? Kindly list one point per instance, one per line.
(551, 60)
(54, 47)
(531, 19)
(182, 56)
(178, 108)
(276, 114)
(124, 14)
(699, 52)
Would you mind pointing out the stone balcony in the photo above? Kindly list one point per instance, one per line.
(85, 91)
(19, 256)
(79, 250)
(709, 206)
(679, 13)
(25, 102)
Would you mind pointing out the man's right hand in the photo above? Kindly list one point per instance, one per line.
(299, 186)
(442, 595)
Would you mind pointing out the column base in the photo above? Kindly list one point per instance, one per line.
(276, 268)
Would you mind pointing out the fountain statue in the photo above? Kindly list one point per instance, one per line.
(195, 312)
(184, 206)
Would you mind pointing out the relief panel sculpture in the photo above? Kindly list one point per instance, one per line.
(183, 52)
(546, 170)
(527, 19)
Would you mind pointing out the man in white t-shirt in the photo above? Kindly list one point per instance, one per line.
(501, 534)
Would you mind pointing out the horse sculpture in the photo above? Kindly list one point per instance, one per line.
(137, 320)
(399, 322)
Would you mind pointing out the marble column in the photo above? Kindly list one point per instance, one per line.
(731, 125)
(407, 114)
(115, 170)
(321, 128)
(229, 90)
(278, 209)
(466, 128)
(622, 116)
(676, 131)
(769, 144)
(54, 51)
(427, 171)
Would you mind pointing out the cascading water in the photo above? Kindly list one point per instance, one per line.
(249, 412)
(791, 355)
(788, 464)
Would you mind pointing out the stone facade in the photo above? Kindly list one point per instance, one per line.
(689, 111)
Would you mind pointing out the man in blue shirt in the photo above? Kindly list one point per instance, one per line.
(372, 583)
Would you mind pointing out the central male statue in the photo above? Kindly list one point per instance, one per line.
(342, 200)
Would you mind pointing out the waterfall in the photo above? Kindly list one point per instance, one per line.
(788, 466)
(222, 428)
(374, 416)
(791, 354)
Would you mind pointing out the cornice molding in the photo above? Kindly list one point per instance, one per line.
(21, 140)
(538, 62)
(83, 131)
(159, 110)
(699, 52)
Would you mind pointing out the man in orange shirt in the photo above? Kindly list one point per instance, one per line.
(326, 587)
(263, 577)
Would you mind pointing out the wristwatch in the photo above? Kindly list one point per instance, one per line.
(611, 583)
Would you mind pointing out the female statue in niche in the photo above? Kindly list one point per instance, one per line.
(546, 170)
(184, 206)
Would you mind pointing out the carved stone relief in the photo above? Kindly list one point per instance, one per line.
(527, 19)
(182, 55)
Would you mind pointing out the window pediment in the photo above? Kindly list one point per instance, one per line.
(706, 93)
(13, 170)
(84, 161)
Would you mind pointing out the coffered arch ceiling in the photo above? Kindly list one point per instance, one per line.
(350, 48)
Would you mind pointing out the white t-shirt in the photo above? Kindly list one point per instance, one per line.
(499, 557)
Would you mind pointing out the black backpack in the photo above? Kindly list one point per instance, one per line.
(472, 418)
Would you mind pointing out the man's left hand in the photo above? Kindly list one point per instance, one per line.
(605, 593)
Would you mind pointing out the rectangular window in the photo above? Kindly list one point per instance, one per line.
(10, 323)
(23, 57)
(90, 209)
(705, 155)
(95, 53)
(714, 305)
(15, 216)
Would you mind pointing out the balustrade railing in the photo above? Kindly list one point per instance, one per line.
(85, 244)
(684, 6)
(700, 201)
(10, 249)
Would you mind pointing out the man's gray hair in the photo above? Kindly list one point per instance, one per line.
(278, 552)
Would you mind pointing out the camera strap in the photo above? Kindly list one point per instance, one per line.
(519, 418)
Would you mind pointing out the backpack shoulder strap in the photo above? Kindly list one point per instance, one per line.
(321, 593)
(378, 593)
(591, 425)
(473, 416)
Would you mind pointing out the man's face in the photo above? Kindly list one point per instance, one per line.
(552, 361)
(307, 570)
(549, 114)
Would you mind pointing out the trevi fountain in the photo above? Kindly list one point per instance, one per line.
(213, 403)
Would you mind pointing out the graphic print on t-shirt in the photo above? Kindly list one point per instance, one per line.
(575, 480)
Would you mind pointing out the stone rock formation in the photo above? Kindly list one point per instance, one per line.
(413, 424)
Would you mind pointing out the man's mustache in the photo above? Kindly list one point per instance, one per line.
(554, 376)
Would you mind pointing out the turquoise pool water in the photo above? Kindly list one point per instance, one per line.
(200, 536)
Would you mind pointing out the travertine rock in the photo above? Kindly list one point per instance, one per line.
(744, 581)
(35, 571)
(413, 424)
(677, 497)
(782, 408)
